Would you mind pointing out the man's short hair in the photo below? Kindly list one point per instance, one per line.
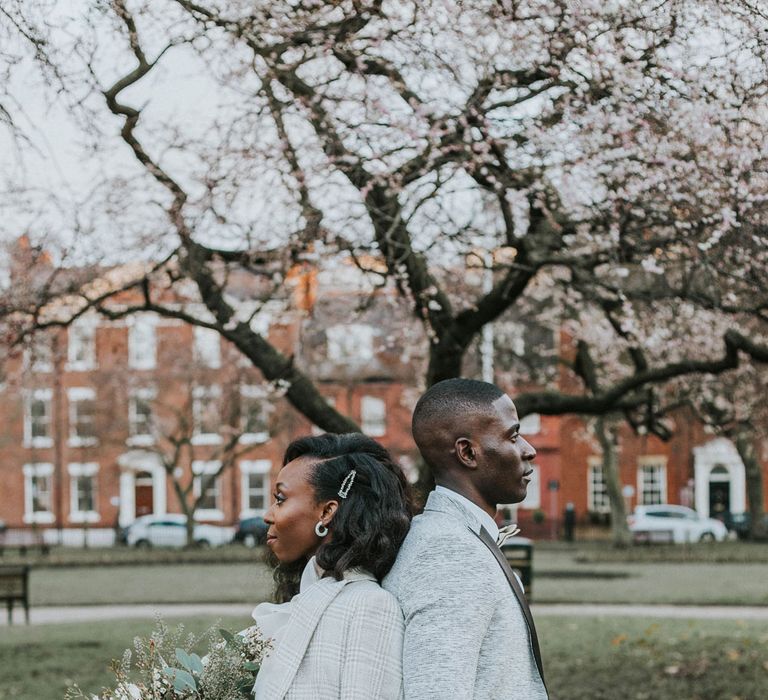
(452, 399)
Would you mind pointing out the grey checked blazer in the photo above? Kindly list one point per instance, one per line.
(344, 641)
(466, 637)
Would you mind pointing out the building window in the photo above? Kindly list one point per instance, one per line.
(142, 342)
(82, 479)
(652, 481)
(530, 424)
(209, 505)
(331, 401)
(207, 347)
(373, 416)
(38, 357)
(81, 345)
(140, 422)
(82, 416)
(206, 410)
(37, 418)
(597, 493)
(255, 410)
(38, 500)
(255, 486)
(350, 344)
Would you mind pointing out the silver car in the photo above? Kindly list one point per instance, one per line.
(668, 523)
(170, 530)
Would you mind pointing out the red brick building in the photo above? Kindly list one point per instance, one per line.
(90, 414)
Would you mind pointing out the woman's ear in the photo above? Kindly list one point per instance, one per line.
(465, 452)
(329, 510)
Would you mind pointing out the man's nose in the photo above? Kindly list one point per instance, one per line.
(528, 452)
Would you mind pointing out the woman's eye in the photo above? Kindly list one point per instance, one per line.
(279, 498)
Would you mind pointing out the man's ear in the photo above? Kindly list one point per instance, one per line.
(465, 452)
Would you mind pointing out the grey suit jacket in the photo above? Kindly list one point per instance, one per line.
(466, 636)
(344, 641)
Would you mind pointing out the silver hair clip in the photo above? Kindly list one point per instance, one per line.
(347, 484)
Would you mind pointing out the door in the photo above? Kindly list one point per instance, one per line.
(144, 494)
(719, 499)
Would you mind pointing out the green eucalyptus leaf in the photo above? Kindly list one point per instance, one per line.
(184, 659)
(251, 666)
(228, 636)
(184, 681)
(196, 664)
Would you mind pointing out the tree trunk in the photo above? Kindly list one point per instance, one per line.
(745, 444)
(606, 435)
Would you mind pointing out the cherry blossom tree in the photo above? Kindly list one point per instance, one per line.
(604, 158)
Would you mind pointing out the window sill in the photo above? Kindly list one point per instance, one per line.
(39, 443)
(140, 440)
(82, 442)
(84, 517)
(253, 438)
(206, 439)
(41, 518)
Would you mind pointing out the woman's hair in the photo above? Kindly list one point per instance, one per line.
(370, 523)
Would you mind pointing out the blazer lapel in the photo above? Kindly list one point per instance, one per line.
(485, 537)
(305, 615)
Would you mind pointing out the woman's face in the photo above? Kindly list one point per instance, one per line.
(294, 513)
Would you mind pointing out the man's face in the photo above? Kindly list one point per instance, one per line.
(503, 456)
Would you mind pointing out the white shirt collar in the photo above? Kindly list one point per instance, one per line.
(485, 520)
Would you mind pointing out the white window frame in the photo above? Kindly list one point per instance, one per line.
(74, 396)
(373, 415)
(37, 469)
(350, 343)
(595, 463)
(38, 395)
(199, 469)
(204, 393)
(81, 334)
(145, 394)
(207, 347)
(76, 471)
(142, 341)
(254, 391)
(659, 463)
(248, 468)
(530, 424)
(532, 499)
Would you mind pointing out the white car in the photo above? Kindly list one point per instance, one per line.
(668, 523)
(170, 530)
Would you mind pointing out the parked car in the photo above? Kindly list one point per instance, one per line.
(740, 524)
(668, 523)
(251, 531)
(170, 530)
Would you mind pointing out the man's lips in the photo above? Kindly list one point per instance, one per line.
(270, 539)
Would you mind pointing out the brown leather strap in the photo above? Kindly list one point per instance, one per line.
(488, 541)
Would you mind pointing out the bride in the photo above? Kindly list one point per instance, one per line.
(339, 516)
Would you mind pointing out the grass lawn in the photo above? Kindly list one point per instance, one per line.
(159, 583)
(561, 574)
(585, 658)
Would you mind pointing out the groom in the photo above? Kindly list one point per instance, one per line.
(469, 632)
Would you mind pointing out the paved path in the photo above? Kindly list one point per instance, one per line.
(91, 613)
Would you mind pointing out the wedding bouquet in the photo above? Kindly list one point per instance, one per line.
(166, 667)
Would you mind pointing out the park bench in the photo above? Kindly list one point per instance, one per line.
(518, 552)
(22, 539)
(14, 587)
